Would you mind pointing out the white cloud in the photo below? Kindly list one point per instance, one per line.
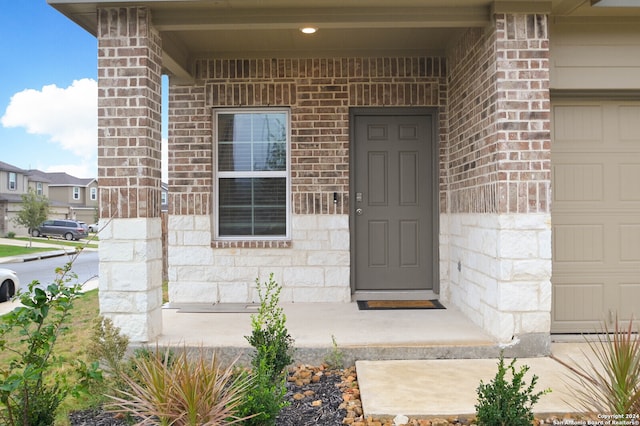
(68, 116)
(84, 170)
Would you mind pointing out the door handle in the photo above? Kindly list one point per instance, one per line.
(359, 212)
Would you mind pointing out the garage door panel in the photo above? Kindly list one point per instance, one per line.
(577, 125)
(578, 182)
(629, 182)
(629, 123)
(578, 300)
(595, 213)
(579, 243)
(629, 298)
(629, 237)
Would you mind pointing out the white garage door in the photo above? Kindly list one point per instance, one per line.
(595, 159)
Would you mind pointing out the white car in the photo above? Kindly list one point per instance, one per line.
(9, 282)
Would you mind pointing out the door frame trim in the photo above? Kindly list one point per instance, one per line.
(432, 112)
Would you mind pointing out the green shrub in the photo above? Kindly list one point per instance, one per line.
(273, 353)
(265, 396)
(503, 403)
(11, 234)
(36, 380)
(270, 337)
(108, 347)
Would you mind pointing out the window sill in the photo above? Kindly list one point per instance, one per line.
(251, 244)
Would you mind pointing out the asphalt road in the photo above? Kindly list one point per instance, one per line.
(85, 267)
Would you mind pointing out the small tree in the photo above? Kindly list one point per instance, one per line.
(35, 209)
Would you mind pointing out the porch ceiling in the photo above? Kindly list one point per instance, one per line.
(257, 28)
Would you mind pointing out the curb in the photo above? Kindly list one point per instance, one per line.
(36, 256)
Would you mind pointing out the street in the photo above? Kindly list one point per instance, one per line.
(85, 267)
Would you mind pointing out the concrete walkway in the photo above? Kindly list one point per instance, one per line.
(446, 388)
(418, 363)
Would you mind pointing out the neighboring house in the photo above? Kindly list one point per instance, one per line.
(13, 183)
(69, 197)
(486, 153)
(80, 195)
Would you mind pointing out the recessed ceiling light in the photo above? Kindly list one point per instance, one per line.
(308, 30)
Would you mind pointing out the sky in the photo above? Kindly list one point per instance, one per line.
(48, 91)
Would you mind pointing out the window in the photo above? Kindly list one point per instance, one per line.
(252, 174)
(163, 197)
(39, 190)
(93, 194)
(76, 193)
(13, 181)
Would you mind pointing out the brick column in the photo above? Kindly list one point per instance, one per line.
(129, 138)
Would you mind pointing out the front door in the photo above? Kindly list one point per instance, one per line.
(393, 197)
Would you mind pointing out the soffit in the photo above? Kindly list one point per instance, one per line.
(192, 29)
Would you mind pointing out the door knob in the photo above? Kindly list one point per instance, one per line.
(359, 212)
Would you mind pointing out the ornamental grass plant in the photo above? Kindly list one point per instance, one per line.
(609, 382)
(185, 389)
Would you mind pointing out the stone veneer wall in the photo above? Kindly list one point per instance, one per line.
(497, 256)
(314, 265)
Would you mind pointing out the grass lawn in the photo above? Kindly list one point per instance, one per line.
(61, 242)
(18, 250)
(71, 345)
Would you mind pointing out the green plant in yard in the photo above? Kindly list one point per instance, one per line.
(35, 209)
(11, 234)
(265, 396)
(507, 403)
(270, 336)
(108, 346)
(609, 382)
(190, 390)
(36, 380)
(335, 358)
(273, 353)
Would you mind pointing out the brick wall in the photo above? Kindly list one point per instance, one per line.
(129, 99)
(319, 92)
(499, 118)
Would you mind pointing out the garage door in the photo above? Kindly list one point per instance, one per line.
(595, 159)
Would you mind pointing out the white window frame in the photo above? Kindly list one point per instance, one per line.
(217, 175)
(76, 192)
(39, 188)
(12, 183)
(93, 193)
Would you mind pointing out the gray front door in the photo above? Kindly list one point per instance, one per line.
(393, 198)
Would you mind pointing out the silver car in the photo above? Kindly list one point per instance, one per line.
(9, 282)
(69, 229)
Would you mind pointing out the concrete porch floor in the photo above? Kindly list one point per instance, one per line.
(371, 335)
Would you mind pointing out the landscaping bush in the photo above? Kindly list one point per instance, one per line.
(36, 380)
(273, 353)
(503, 403)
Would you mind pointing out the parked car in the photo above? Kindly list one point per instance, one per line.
(9, 282)
(93, 227)
(84, 225)
(69, 229)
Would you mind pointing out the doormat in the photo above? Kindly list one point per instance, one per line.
(369, 305)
